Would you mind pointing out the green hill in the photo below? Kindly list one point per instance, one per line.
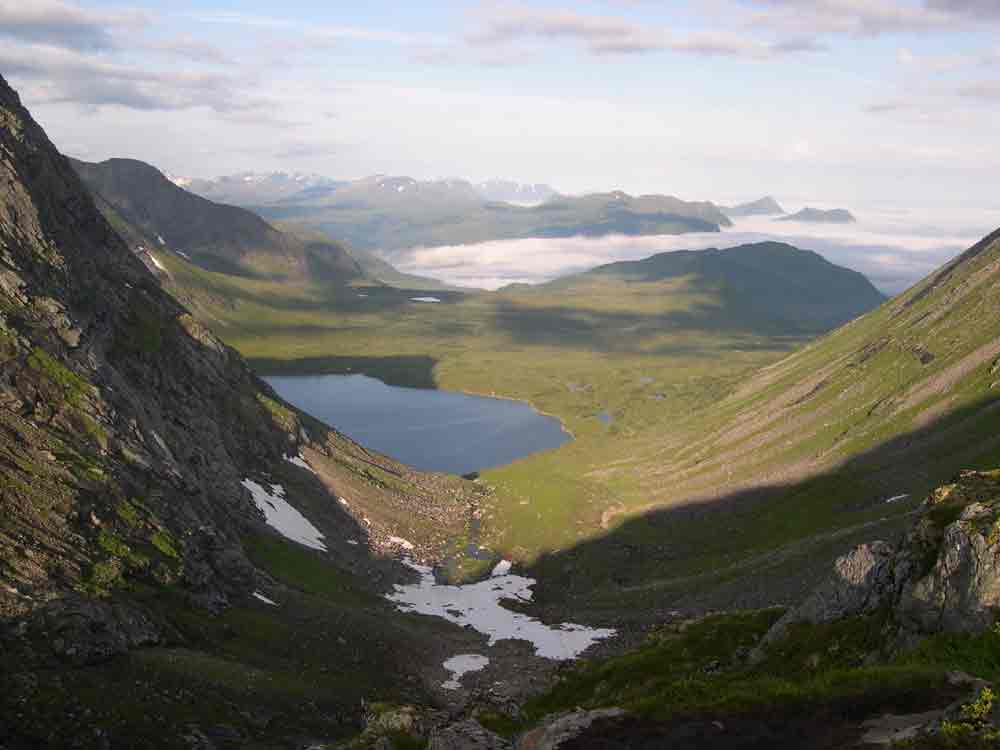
(767, 286)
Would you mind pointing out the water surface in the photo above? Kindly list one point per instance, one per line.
(429, 430)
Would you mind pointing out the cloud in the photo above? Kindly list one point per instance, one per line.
(893, 256)
(607, 35)
(304, 151)
(889, 106)
(322, 33)
(60, 24)
(858, 18)
(977, 9)
(62, 75)
(987, 91)
(188, 48)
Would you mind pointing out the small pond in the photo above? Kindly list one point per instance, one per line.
(429, 430)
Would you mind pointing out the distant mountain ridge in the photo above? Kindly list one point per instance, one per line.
(264, 188)
(518, 193)
(393, 213)
(766, 206)
(252, 188)
(821, 216)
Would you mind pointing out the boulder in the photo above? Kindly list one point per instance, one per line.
(88, 631)
(862, 581)
(943, 577)
(961, 593)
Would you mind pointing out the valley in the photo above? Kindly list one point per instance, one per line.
(259, 488)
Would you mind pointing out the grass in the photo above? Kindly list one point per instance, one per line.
(298, 567)
(700, 669)
(71, 385)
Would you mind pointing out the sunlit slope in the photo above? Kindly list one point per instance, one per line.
(918, 359)
(832, 444)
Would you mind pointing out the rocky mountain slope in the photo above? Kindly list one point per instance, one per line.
(898, 648)
(147, 208)
(143, 599)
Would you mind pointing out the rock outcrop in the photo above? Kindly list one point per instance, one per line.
(943, 577)
(558, 730)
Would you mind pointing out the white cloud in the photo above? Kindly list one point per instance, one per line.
(892, 248)
(66, 25)
(610, 35)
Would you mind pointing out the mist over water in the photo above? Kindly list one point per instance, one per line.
(894, 246)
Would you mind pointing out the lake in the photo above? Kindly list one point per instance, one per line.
(430, 430)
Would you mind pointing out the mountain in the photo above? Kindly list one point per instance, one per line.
(766, 206)
(255, 188)
(764, 286)
(150, 486)
(392, 214)
(820, 216)
(518, 193)
(148, 208)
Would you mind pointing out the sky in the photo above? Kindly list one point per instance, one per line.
(834, 102)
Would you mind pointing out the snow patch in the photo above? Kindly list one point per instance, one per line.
(400, 542)
(424, 299)
(461, 665)
(261, 597)
(159, 238)
(478, 605)
(281, 516)
(502, 568)
(300, 462)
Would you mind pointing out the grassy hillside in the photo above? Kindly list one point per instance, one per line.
(802, 458)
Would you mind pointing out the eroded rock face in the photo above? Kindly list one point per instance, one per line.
(467, 735)
(862, 581)
(943, 577)
(961, 593)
